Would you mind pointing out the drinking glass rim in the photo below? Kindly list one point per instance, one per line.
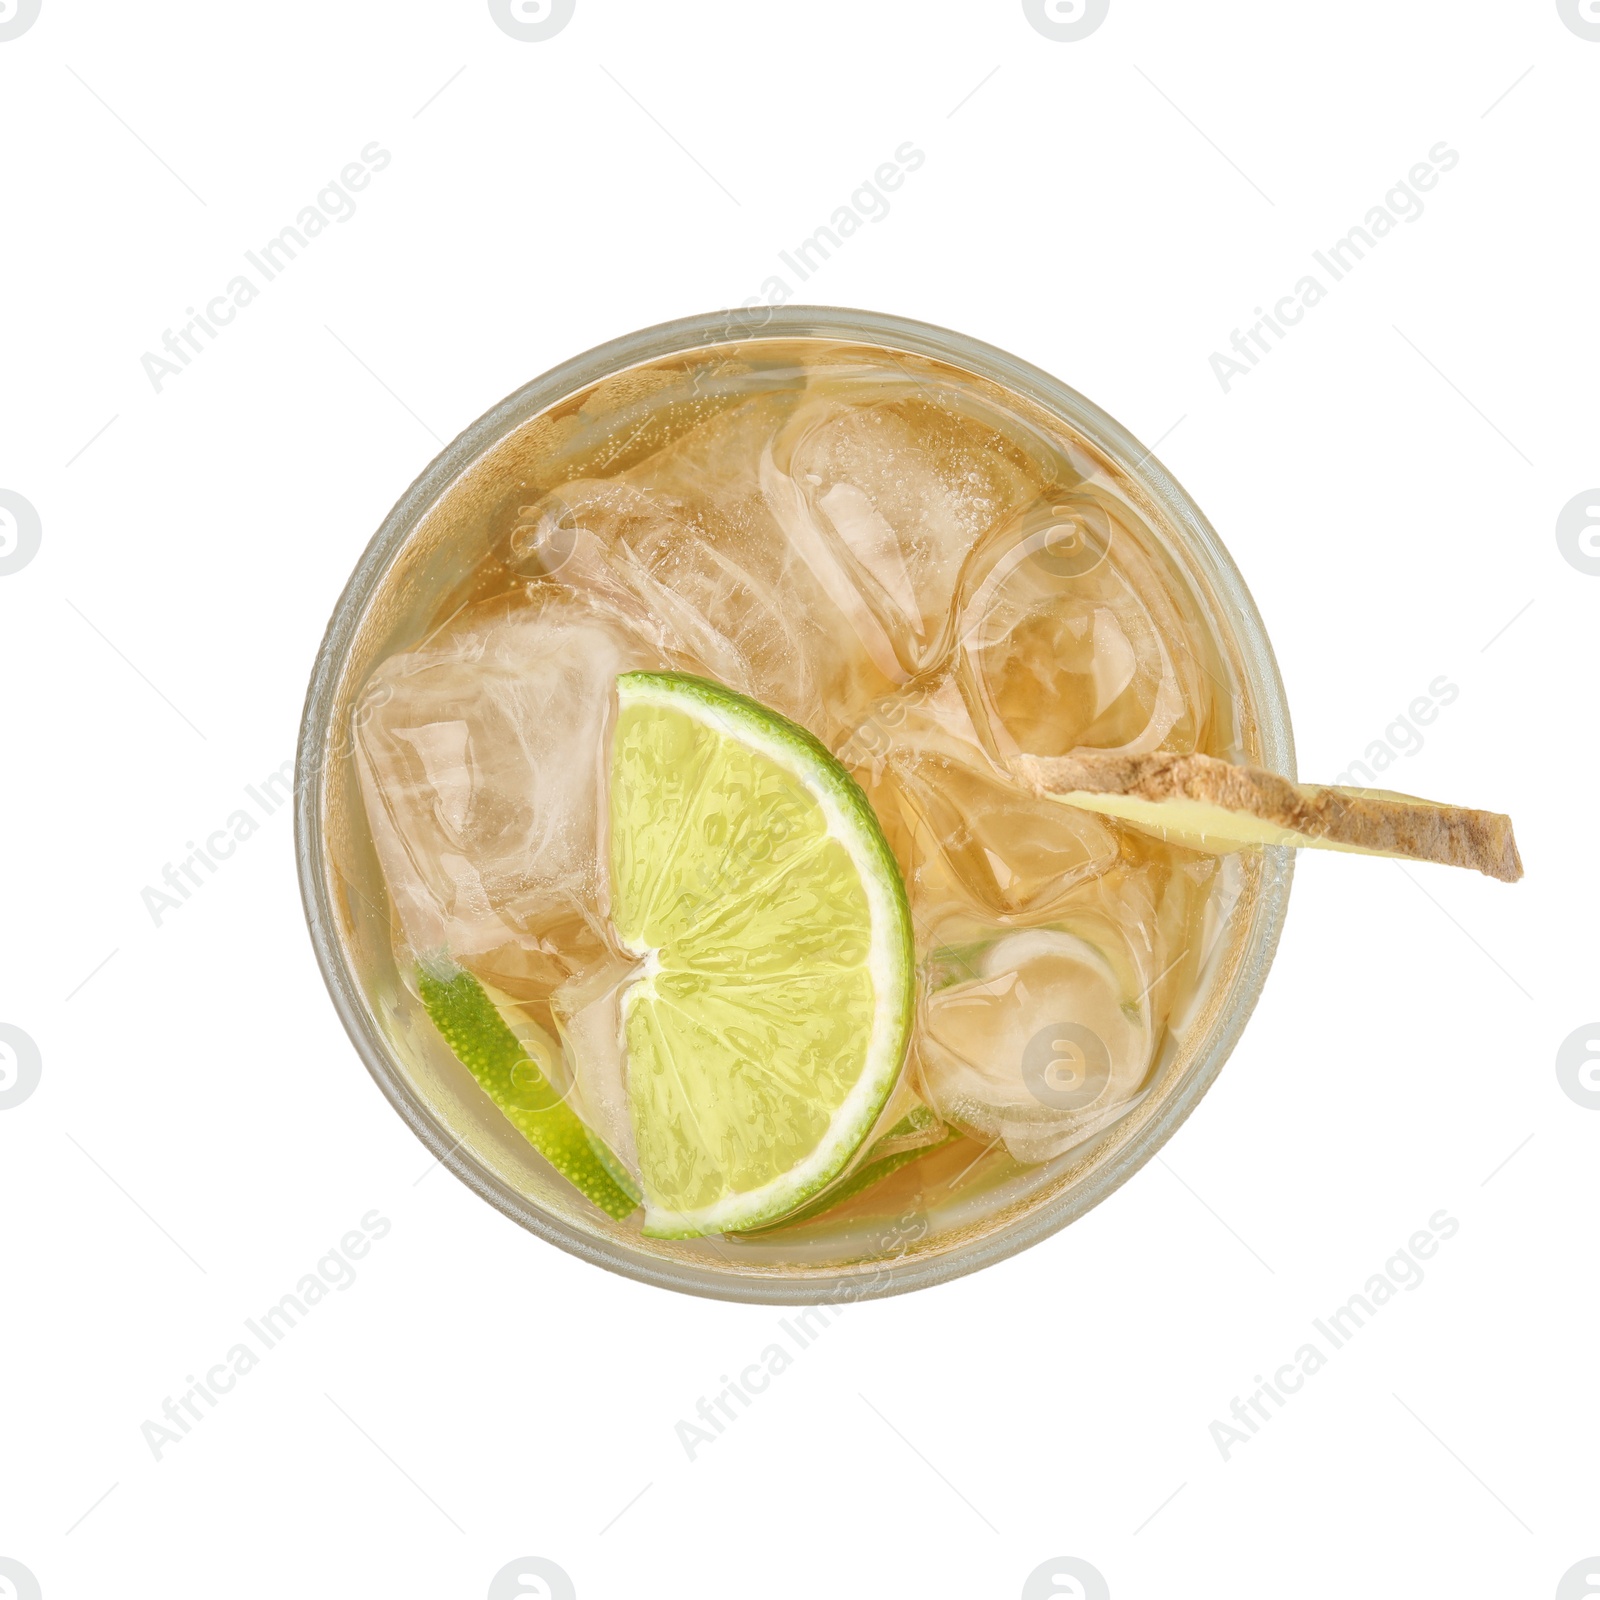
(667, 339)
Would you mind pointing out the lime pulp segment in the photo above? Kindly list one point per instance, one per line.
(767, 1025)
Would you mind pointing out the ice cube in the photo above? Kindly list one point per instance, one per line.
(963, 829)
(886, 497)
(1068, 638)
(1047, 1036)
(986, 842)
(588, 1014)
(926, 717)
(731, 598)
(588, 535)
(690, 533)
(480, 756)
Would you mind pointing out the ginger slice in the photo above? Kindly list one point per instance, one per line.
(1207, 804)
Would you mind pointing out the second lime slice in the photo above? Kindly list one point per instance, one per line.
(769, 1019)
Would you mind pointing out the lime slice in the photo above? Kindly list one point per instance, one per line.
(767, 1026)
(474, 1029)
(874, 1170)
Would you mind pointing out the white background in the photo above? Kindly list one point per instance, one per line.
(1388, 480)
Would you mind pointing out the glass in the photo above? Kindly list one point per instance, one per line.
(415, 566)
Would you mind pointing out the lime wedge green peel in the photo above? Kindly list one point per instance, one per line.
(766, 1027)
(864, 1177)
(474, 1029)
